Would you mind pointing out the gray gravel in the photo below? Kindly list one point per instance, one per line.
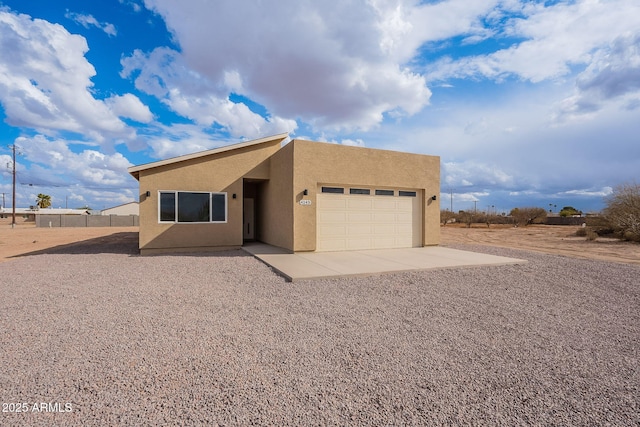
(221, 340)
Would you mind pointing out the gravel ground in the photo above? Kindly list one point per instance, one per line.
(117, 339)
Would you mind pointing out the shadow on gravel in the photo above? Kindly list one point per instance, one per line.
(117, 243)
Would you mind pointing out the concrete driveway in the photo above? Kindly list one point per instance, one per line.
(315, 265)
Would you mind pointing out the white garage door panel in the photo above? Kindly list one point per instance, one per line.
(352, 222)
(333, 217)
(354, 244)
(384, 217)
(384, 229)
(384, 203)
(361, 229)
(333, 231)
(335, 202)
(355, 217)
(359, 204)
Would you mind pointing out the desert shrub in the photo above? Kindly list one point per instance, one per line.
(590, 234)
(446, 217)
(581, 232)
(623, 211)
(466, 218)
(528, 215)
(601, 225)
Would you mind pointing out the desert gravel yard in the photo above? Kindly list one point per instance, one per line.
(118, 339)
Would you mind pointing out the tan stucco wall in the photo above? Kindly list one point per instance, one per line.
(126, 209)
(322, 163)
(221, 172)
(276, 212)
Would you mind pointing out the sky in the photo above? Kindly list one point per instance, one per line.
(527, 103)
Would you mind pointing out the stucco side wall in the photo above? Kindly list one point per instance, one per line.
(321, 163)
(126, 209)
(222, 172)
(276, 212)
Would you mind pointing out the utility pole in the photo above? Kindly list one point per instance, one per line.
(13, 220)
(475, 206)
(451, 192)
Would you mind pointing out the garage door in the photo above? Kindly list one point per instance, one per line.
(353, 219)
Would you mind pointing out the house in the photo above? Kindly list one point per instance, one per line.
(130, 208)
(300, 196)
(34, 212)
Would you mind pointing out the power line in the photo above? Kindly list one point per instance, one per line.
(75, 186)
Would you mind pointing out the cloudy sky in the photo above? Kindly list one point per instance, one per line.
(528, 103)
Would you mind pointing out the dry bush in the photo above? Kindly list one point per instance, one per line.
(623, 211)
(590, 234)
(528, 215)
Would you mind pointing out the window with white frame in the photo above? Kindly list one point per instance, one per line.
(192, 207)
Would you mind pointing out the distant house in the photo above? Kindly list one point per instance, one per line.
(131, 208)
(29, 214)
(301, 196)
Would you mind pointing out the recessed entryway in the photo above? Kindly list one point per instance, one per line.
(251, 203)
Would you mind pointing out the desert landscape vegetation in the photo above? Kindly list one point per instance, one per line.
(27, 239)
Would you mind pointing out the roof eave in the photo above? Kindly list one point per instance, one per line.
(135, 170)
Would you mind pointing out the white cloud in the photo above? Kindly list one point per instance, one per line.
(163, 74)
(54, 163)
(135, 6)
(613, 76)
(474, 174)
(88, 21)
(325, 63)
(591, 192)
(555, 38)
(353, 142)
(45, 80)
(179, 139)
(129, 106)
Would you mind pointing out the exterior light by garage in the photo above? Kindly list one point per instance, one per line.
(305, 192)
(433, 197)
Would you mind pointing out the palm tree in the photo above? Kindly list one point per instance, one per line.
(43, 201)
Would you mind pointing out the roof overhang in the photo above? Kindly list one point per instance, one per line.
(135, 170)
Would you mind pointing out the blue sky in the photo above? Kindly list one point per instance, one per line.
(528, 103)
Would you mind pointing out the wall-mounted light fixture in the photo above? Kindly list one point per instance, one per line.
(148, 193)
(234, 195)
(305, 192)
(433, 197)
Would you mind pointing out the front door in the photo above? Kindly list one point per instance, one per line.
(249, 223)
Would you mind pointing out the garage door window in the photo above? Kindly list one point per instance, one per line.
(334, 190)
(407, 193)
(384, 192)
(192, 207)
(359, 191)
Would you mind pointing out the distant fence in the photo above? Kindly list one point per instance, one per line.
(569, 220)
(87, 220)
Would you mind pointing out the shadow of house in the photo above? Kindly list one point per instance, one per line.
(117, 243)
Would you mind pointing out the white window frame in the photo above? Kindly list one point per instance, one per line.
(210, 193)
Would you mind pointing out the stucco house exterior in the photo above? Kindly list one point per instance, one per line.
(300, 196)
(130, 208)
